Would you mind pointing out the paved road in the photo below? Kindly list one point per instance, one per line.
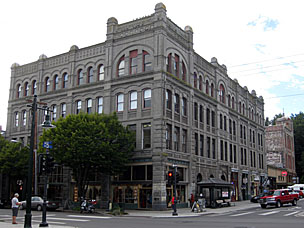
(250, 217)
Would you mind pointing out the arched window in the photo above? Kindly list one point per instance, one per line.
(54, 108)
(120, 102)
(24, 117)
(232, 102)
(184, 73)
(16, 119)
(47, 85)
(212, 90)
(65, 79)
(207, 87)
(101, 73)
(195, 80)
(18, 91)
(80, 78)
(240, 107)
(252, 114)
(100, 105)
(176, 65)
(121, 67)
(26, 89)
(63, 109)
(56, 82)
(147, 61)
(90, 75)
(222, 94)
(133, 100)
(229, 100)
(169, 62)
(147, 98)
(133, 62)
(243, 109)
(34, 87)
(200, 82)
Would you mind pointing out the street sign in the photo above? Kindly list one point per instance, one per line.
(47, 145)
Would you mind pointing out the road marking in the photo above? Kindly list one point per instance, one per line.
(67, 219)
(292, 213)
(270, 213)
(246, 213)
(5, 216)
(83, 216)
(51, 222)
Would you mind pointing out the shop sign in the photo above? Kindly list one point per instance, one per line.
(284, 173)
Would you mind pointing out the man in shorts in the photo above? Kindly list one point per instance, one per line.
(15, 205)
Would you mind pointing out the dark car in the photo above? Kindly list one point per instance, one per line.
(37, 203)
(255, 199)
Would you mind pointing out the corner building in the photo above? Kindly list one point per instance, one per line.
(185, 110)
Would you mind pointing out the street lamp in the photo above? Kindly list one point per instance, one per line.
(28, 214)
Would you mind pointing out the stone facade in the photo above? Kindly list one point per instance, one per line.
(280, 152)
(185, 110)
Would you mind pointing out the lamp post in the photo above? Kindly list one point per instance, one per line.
(28, 214)
(174, 213)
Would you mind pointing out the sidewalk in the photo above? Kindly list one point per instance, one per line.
(186, 212)
(182, 212)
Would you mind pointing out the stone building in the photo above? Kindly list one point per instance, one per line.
(185, 110)
(280, 152)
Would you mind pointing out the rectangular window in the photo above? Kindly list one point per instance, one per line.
(230, 126)
(184, 106)
(16, 119)
(120, 102)
(195, 111)
(169, 137)
(225, 123)
(231, 153)
(89, 106)
(242, 157)
(133, 62)
(54, 107)
(63, 110)
(251, 159)
(226, 151)
(147, 58)
(132, 128)
(222, 150)
(202, 145)
(213, 148)
(201, 114)
(213, 119)
(147, 98)
(234, 151)
(184, 141)
(169, 99)
(208, 147)
(24, 118)
(78, 107)
(196, 143)
(234, 129)
(176, 138)
(254, 159)
(100, 105)
(133, 100)
(139, 172)
(208, 116)
(221, 121)
(146, 135)
(245, 156)
(176, 103)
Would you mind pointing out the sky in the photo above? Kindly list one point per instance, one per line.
(261, 42)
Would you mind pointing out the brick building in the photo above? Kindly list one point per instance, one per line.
(185, 110)
(280, 153)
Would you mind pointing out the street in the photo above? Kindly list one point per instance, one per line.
(256, 217)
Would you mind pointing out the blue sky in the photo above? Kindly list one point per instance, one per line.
(260, 42)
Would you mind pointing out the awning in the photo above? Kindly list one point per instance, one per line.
(212, 182)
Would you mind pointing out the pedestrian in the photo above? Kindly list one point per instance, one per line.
(15, 205)
(191, 200)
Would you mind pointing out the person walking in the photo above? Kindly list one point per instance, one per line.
(15, 205)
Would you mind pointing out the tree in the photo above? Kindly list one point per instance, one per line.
(13, 160)
(88, 143)
(298, 125)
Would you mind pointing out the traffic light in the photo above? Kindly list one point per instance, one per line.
(49, 163)
(42, 164)
(177, 177)
(170, 177)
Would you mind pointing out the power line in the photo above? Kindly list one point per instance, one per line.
(290, 95)
(267, 60)
(263, 67)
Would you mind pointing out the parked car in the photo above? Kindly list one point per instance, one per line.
(301, 194)
(255, 199)
(278, 198)
(37, 203)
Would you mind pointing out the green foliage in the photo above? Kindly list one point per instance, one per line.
(273, 121)
(13, 159)
(88, 143)
(298, 124)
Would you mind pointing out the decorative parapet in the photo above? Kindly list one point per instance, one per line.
(92, 51)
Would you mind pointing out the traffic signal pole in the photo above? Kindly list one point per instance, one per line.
(174, 213)
(44, 222)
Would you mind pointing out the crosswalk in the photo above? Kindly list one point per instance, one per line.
(286, 213)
